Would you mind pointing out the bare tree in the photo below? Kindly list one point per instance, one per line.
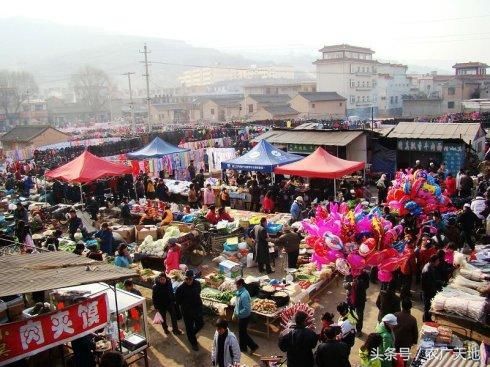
(15, 88)
(93, 88)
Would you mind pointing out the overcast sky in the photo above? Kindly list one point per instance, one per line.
(396, 30)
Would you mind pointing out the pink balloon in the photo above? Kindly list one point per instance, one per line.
(333, 255)
(356, 261)
(342, 266)
(385, 276)
(374, 259)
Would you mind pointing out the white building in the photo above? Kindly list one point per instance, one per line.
(351, 72)
(391, 86)
(208, 76)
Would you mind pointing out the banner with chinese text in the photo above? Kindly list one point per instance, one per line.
(28, 337)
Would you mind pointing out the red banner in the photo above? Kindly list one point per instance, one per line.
(28, 337)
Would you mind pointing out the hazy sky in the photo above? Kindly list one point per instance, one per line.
(396, 30)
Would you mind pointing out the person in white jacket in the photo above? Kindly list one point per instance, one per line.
(478, 205)
(226, 350)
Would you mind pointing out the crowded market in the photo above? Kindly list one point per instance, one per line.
(263, 250)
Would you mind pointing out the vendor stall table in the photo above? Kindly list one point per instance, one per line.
(463, 326)
(270, 320)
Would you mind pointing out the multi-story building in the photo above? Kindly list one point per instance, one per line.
(273, 88)
(392, 85)
(351, 72)
(209, 76)
(34, 111)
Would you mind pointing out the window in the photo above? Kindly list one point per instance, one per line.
(391, 100)
(451, 91)
(363, 98)
(367, 99)
(352, 83)
(250, 108)
(312, 105)
(363, 84)
(340, 104)
(358, 69)
(358, 99)
(352, 99)
(450, 105)
(396, 99)
(357, 83)
(212, 111)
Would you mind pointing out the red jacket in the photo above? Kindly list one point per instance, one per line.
(225, 216)
(450, 183)
(211, 217)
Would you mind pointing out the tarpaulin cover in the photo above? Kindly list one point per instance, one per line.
(320, 164)
(87, 168)
(156, 149)
(264, 157)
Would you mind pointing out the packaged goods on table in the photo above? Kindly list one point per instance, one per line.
(264, 306)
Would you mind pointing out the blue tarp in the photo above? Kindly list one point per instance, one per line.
(156, 149)
(264, 157)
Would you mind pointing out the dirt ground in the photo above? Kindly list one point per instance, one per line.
(174, 350)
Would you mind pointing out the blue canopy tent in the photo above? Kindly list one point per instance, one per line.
(264, 157)
(156, 149)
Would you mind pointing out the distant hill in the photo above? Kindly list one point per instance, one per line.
(52, 52)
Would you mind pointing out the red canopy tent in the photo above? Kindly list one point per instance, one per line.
(87, 168)
(320, 164)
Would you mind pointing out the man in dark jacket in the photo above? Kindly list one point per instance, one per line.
(430, 285)
(164, 301)
(298, 342)
(387, 302)
(20, 213)
(74, 224)
(468, 221)
(356, 296)
(126, 212)
(332, 353)
(290, 240)
(262, 255)
(406, 331)
(188, 296)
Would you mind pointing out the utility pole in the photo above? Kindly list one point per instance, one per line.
(147, 75)
(131, 105)
(29, 115)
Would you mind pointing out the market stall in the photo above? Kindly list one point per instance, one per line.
(22, 275)
(321, 164)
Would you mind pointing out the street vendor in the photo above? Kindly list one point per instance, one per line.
(167, 216)
(74, 224)
(223, 215)
(20, 213)
(149, 217)
(106, 239)
(211, 216)
(126, 212)
(172, 261)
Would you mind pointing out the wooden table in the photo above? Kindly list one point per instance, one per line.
(270, 319)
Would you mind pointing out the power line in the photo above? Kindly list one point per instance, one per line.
(147, 75)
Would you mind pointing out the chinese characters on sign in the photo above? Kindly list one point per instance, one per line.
(301, 148)
(28, 337)
(454, 156)
(420, 145)
(457, 354)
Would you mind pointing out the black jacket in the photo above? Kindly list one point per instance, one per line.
(387, 302)
(332, 353)
(189, 298)
(429, 280)
(163, 295)
(356, 288)
(299, 343)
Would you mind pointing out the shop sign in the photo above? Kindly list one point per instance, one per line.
(28, 337)
(301, 148)
(454, 157)
(420, 145)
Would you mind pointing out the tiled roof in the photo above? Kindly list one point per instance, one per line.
(322, 96)
(313, 137)
(281, 110)
(25, 133)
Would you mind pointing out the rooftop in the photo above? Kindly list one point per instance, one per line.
(281, 110)
(51, 270)
(322, 96)
(431, 130)
(270, 98)
(346, 47)
(313, 137)
(469, 64)
(227, 101)
(26, 133)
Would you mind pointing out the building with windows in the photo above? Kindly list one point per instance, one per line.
(264, 107)
(392, 85)
(222, 108)
(319, 105)
(351, 72)
(274, 88)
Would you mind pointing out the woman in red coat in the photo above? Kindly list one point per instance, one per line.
(450, 183)
(268, 203)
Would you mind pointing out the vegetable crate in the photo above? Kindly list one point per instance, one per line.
(218, 241)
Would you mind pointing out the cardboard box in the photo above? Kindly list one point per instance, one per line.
(126, 232)
(229, 268)
(143, 231)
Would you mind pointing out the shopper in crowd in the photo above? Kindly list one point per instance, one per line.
(369, 351)
(298, 342)
(356, 296)
(332, 352)
(468, 221)
(225, 350)
(430, 284)
(126, 212)
(192, 197)
(406, 332)
(123, 258)
(268, 204)
(129, 287)
(191, 169)
(224, 197)
(296, 210)
(188, 296)
(382, 186)
(242, 312)
(347, 321)
(388, 301)
(450, 184)
(290, 241)
(262, 255)
(164, 301)
(20, 213)
(327, 322)
(465, 184)
(385, 329)
(209, 198)
(254, 191)
(172, 260)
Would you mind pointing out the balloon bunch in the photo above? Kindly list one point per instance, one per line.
(416, 193)
(354, 240)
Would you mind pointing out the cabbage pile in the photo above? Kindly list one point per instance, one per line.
(156, 248)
